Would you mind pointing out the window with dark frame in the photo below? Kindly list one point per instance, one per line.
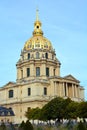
(29, 91)
(46, 55)
(47, 71)
(28, 55)
(28, 72)
(45, 91)
(10, 93)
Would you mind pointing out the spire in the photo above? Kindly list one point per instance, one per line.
(37, 17)
(37, 26)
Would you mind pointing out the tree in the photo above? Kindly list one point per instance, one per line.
(28, 114)
(71, 110)
(33, 113)
(81, 126)
(54, 109)
(36, 113)
(82, 110)
(22, 125)
(26, 126)
(2, 127)
(66, 102)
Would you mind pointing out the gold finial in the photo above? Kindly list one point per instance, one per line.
(37, 17)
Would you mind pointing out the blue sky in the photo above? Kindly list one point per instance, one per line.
(64, 23)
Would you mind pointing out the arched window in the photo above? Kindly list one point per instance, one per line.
(46, 55)
(37, 55)
(10, 93)
(28, 55)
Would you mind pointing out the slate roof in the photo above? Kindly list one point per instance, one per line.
(6, 111)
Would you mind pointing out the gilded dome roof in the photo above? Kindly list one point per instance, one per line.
(37, 41)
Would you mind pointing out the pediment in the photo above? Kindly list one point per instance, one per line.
(70, 77)
(9, 84)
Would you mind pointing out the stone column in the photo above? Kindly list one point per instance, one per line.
(77, 92)
(73, 91)
(66, 89)
(63, 89)
(60, 89)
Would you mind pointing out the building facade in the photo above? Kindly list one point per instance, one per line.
(38, 77)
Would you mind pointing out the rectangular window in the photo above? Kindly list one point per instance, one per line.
(45, 91)
(47, 71)
(10, 93)
(28, 72)
(54, 72)
(46, 55)
(29, 91)
(37, 71)
(28, 55)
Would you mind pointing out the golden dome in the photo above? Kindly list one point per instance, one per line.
(37, 41)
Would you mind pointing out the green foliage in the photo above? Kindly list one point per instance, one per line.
(22, 125)
(53, 110)
(3, 127)
(28, 114)
(33, 113)
(39, 128)
(82, 110)
(58, 109)
(71, 110)
(26, 126)
(81, 126)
